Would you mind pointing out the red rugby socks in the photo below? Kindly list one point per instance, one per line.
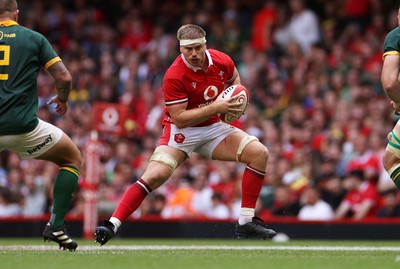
(131, 199)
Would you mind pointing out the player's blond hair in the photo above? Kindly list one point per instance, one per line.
(190, 31)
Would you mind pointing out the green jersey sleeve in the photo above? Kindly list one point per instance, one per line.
(391, 46)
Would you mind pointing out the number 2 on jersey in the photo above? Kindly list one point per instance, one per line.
(5, 49)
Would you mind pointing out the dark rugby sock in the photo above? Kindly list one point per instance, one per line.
(63, 191)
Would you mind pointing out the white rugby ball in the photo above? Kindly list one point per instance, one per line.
(242, 95)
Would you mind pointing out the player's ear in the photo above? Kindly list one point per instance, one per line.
(16, 12)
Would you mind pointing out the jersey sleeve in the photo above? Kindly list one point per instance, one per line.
(391, 45)
(174, 90)
(47, 56)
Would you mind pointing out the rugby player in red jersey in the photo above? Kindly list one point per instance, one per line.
(192, 87)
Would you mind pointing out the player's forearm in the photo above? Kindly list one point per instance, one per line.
(63, 90)
(193, 117)
(62, 79)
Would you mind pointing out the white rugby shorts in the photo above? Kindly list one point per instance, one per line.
(33, 144)
(202, 140)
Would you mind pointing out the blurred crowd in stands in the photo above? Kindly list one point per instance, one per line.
(313, 72)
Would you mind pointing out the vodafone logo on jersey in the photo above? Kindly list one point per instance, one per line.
(211, 92)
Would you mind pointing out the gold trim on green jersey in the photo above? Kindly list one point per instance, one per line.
(393, 52)
(8, 23)
(52, 61)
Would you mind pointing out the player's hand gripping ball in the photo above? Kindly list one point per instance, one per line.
(242, 96)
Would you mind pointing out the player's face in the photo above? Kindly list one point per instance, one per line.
(194, 54)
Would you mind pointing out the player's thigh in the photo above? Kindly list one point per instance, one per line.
(65, 152)
(34, 143)
(227, 149)
(157, 172)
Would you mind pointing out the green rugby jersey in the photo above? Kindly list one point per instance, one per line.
(392, 43)
(22, 53)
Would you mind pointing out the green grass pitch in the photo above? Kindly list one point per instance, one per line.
(200, 253)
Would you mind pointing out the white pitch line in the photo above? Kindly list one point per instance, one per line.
(164, 247)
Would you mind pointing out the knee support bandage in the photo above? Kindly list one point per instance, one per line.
(165, 159)
(243, 143)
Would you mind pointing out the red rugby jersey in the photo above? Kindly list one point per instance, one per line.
(367, 192)
(185, 83)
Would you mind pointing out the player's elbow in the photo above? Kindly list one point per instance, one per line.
(64, 81)
(390, 84)
(66, 78)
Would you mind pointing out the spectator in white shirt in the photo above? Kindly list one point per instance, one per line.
(302, 27)
(313, 207)
(218, 210)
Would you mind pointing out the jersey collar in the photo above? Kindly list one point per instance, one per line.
(8, 23)
(195, 68)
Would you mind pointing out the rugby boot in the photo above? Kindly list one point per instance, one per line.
(253, 229)
(60, 236)
(104, 232)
